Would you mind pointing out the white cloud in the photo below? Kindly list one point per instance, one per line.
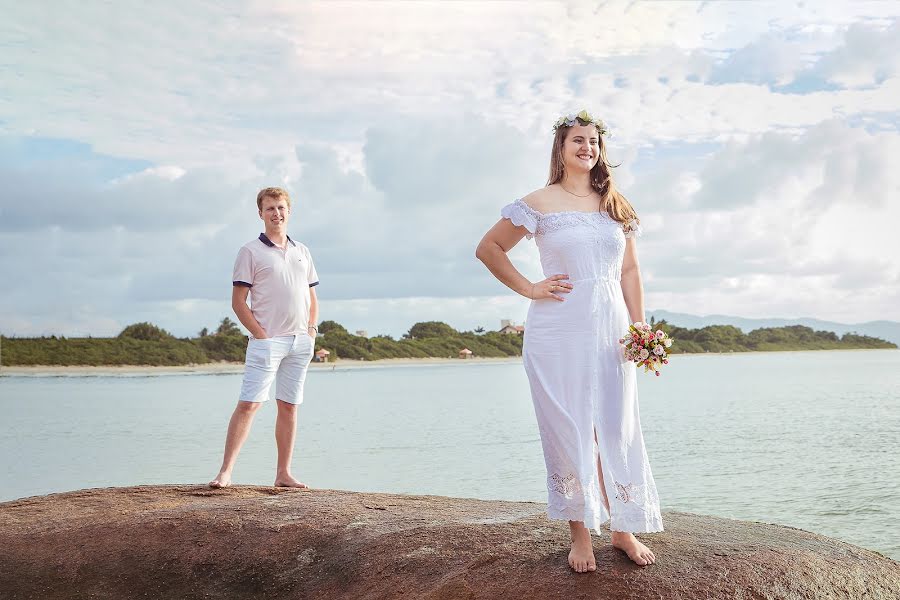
(138, 80)
(782, 225)
(771, 59)
(868, 56)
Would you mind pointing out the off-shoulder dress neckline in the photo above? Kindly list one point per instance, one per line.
(560, 212)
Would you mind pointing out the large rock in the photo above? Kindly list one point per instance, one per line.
(261, 542)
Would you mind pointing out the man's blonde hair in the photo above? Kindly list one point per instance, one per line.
(275, 193)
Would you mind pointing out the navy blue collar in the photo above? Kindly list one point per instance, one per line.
(265, 240)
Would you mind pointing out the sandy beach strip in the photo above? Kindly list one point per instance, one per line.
(220, 368)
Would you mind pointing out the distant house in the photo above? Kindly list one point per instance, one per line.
(322, 355)
(465, 353)
(362, 333)
(509, 327)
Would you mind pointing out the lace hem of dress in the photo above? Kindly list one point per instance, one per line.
(648, 524)
(636, 505)
(572, 513)
(637, 508)
(628, 523)
(638, 495)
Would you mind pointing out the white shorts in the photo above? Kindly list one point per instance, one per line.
(284, 359)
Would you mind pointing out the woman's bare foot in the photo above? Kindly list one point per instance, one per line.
(222, 480)
(289, 482)
(581, 556)
(630, 545)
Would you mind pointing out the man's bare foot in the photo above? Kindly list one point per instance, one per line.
(289, 482)
(630, 545)
(581, 556)
(222, 480)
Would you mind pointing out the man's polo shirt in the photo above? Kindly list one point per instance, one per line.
(279, 282)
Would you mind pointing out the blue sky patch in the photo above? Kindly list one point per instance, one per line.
(29, 152)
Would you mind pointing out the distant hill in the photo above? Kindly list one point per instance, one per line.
(886, 330)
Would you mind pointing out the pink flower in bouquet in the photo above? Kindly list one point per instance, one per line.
(660, 334)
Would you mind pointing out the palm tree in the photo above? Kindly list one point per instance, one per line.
(228, 327)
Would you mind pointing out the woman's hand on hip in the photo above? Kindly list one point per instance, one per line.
(550, 287)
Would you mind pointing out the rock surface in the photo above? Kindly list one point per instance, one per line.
(261, 542)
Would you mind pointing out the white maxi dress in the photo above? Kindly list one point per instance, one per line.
(584, 391)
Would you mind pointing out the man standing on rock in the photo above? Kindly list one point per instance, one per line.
(279, 277)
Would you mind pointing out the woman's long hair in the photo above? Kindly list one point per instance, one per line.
(611, 200)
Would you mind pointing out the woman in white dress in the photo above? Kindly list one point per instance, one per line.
(584, 391)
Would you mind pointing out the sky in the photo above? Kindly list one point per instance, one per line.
(758, 142)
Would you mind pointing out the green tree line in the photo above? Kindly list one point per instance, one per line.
(727, 338)
(147, 344)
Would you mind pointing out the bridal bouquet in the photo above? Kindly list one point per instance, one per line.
(643, 346)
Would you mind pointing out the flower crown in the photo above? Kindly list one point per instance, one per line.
(582, 118)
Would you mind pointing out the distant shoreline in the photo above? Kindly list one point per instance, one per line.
(226, 368)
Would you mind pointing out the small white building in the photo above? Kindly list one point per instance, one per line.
(362, 333)
(466, 353)
(513, 329)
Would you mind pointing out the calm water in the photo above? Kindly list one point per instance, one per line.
(803, 439)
